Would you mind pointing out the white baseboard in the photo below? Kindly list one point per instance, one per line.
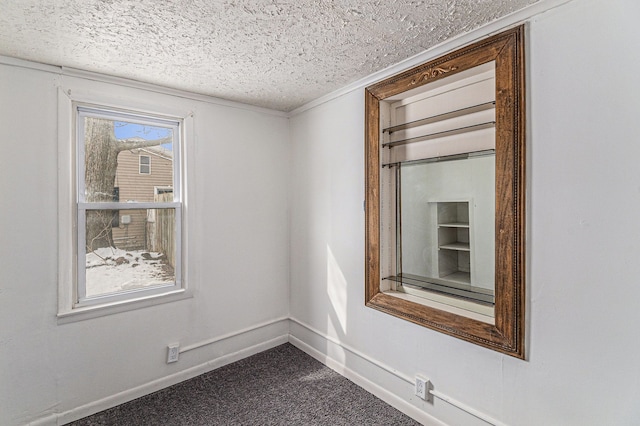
(153, 386)
(385, 395)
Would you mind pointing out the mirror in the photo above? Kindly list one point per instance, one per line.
(446, 230)
(444, 149)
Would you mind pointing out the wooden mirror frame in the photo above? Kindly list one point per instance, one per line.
(507, 335)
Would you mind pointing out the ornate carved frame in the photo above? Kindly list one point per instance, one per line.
(507, 335)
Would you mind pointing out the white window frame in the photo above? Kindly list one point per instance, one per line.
(140, 164)
(71, 307)
(83, 112)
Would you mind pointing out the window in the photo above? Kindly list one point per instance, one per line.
(444, 148)
(121, 254)
(145, 165)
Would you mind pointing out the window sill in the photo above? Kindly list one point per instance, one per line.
(96, 311)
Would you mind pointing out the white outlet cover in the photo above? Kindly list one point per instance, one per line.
(173, 352)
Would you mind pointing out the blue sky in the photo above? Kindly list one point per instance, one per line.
(124, 130)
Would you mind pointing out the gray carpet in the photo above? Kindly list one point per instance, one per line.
(281, 386)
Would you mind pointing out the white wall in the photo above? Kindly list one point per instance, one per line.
(237, 257)
(583, 248)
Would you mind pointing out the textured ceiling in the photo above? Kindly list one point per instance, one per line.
(277, 54)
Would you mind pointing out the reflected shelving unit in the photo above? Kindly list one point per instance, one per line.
(454, 249)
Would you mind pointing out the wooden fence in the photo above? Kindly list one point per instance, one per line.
(161, 233)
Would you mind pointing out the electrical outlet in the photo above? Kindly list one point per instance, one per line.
(173, 351)
(422, 388)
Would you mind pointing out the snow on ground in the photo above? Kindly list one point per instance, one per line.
(111, 270)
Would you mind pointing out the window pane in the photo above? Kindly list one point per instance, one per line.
(119, 154)
(145, 164)
(139, 253)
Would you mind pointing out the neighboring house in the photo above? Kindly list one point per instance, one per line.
(142, 175)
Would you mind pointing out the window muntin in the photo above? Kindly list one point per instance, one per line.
(136, 258)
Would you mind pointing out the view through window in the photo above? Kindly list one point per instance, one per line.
(128, 243)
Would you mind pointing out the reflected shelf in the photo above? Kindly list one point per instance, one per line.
(459, 277)
(441, 117)
(459, 246)
(454, 225)
(455, 285)
(452, 132)
(452, 157)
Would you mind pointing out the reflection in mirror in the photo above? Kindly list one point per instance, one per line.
(446, 229)
(439, 165)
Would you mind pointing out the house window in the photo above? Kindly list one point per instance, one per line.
(144, 165)
(121, 255)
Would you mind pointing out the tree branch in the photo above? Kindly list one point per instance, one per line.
(133, 143)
